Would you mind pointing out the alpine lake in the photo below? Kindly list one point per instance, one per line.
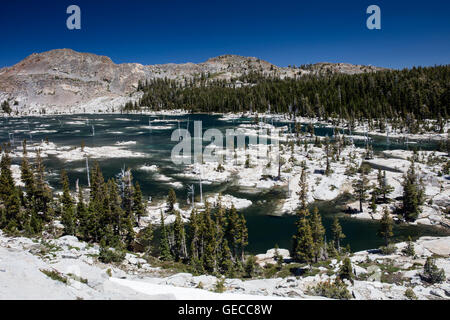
(266, 226)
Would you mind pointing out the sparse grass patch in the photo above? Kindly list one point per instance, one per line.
(171, 266)
(54, 275)
(77, 278)
(288, 270)
(108, 255)
(48, 250)
(393, 278)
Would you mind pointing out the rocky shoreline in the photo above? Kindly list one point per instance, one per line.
(76, 273)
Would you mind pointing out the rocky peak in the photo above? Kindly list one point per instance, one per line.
(67, 78)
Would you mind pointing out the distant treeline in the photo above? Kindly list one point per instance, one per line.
(417, 93)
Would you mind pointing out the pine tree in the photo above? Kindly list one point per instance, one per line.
(97, 192)
(164, 247)
(220, 222)
(27, 177)
(9, 195)
(318, 233)
(138, 205)
(346, 270)
(250, 266)
(225, 260)
(383, 189)
(98, 204)
(68, 218)
(14, 217)
(431, 273)
(336, 229)
(82, 217)
(209, 246)
(278, 257)
(145, 239)
(242, 235)
(232, 230)
(413, 195)
(303, 243)
(409, 250)
(303, 193)
(7, 184)
(43, 194)
(125, 216)
(386, 226)
(194, 235)
(361, 186)
(179, 248)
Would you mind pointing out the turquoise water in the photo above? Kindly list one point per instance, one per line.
(265, 229)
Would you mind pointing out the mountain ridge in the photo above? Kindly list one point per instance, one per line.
(67, 78)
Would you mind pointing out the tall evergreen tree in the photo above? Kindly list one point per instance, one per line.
(7, 184)
(232, 230)
(27, 176)
(303, 193)
(82, 217)
(361, 186)
(413, 195)
(303, 242)
(383, 189)
(138, 204)
(386, 227)
(225, 259)
(43, 194)
(209, 246)
(318, 233)
(179, 248)
(164, 247)
(243, 235)
(68, 218)
(336, 229)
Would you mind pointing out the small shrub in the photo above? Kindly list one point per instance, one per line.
(346, 270)
(250, 266)
(333, 290)
(270, 270)
(220, 286)
(431, 273)
(409, 249)
(409, 293)
(108, 255)
(390, 249)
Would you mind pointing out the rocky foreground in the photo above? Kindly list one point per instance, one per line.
(66, 268)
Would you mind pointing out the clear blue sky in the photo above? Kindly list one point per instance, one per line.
(279, 31)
